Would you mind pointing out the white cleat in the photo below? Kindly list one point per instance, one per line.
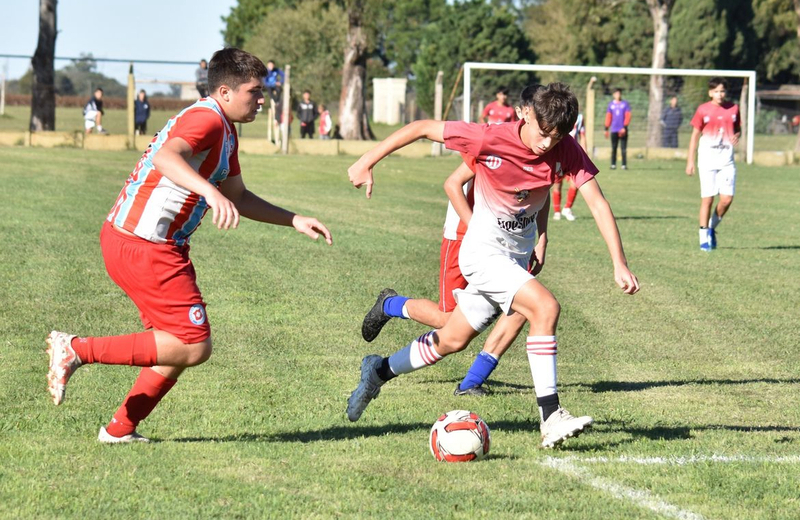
(557, 215)
(561, 425)
(567, 212)
(63, 363)
(107, 438)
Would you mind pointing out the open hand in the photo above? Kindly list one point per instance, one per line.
(311, 227)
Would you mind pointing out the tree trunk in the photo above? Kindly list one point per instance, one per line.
(353, 120)
(43, 96)
(660, 11)
(796, 10)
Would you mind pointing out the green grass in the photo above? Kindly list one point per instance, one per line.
(702, 362)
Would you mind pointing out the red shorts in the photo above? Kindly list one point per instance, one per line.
(161, 281)
(450, 277)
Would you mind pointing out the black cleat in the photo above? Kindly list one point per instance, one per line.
(376, 318)
(477, 391)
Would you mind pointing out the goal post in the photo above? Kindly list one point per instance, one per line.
(749, 77)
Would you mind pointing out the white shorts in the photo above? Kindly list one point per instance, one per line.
(493, 282)
(717, 181)
(89, 119)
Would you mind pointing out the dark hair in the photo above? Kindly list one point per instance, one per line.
(717, 81)
(306, 91)
(232, 67)
(98, 89)
(554, 106)
(617, 90)
(501, 90)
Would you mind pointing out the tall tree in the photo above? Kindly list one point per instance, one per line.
(660, 11)
(472, 31)
(43, 96)
(353, 120)
(245, 17)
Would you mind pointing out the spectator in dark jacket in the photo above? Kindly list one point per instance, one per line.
(307, 114)
(273, 82)
(671, 119)
(141, 113)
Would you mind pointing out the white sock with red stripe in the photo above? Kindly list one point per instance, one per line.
(542, 352)
(417, 354)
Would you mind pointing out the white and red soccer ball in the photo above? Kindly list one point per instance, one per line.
(459, 436)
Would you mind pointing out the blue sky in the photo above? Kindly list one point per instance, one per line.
(140, 29)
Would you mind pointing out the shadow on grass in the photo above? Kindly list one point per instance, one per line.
(598, 440)
(766, 248)
(638, 386)
(648, 217)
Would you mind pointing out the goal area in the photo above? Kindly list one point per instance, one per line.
(593, 85)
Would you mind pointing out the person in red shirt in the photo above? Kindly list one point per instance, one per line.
(717, 127)
(517, 163)
(499, 111)
(190, 166)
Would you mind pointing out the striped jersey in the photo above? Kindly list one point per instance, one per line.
(155, 208)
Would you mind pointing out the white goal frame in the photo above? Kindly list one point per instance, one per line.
(750, 75)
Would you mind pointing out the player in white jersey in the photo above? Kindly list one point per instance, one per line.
(717, 124)
(517, 164)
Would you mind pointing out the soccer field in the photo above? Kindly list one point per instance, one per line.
(693, 382)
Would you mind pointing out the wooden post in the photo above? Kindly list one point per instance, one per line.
(743, 113)
(285, 110)
(588, 117)
(131, 98)
(436, 149)
(270, 110)
(3, 89)
(453, 93)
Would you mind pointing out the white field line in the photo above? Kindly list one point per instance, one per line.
(639, 497)
(684, 461)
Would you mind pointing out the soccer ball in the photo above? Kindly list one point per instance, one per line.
(459, 436)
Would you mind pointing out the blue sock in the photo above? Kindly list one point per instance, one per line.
(393, 306)
(480, 370)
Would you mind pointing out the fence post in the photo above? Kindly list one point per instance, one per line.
(131, 98)
(286, 110)
(437, 110)
(588, 116)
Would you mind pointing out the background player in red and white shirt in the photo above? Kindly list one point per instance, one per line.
(190, 166)
(499, 111)
(717, 124)
(578, 133)
(516, 166)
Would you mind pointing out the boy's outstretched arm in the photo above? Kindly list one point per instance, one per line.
(254, 207)
(360, 173)
(601, 211)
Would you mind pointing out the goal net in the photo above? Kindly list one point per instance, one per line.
(594, 86)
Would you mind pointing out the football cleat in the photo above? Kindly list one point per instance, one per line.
(368, 388)
(567, 212)
(477, 391)
(561, 425)
(63, 363)
(375, 319)
(557, 215)
(107, 438)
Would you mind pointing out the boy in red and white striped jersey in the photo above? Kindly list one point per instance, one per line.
(190, 166)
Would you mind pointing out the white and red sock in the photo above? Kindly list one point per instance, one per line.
(542, 352)
(557, 201)
(419, 353)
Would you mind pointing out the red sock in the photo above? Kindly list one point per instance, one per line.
(571, 196)
(137, 350)
(556, 203)
(150, 387)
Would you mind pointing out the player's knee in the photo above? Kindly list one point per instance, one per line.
(199, 353)
(548, 311)
(448, 345)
